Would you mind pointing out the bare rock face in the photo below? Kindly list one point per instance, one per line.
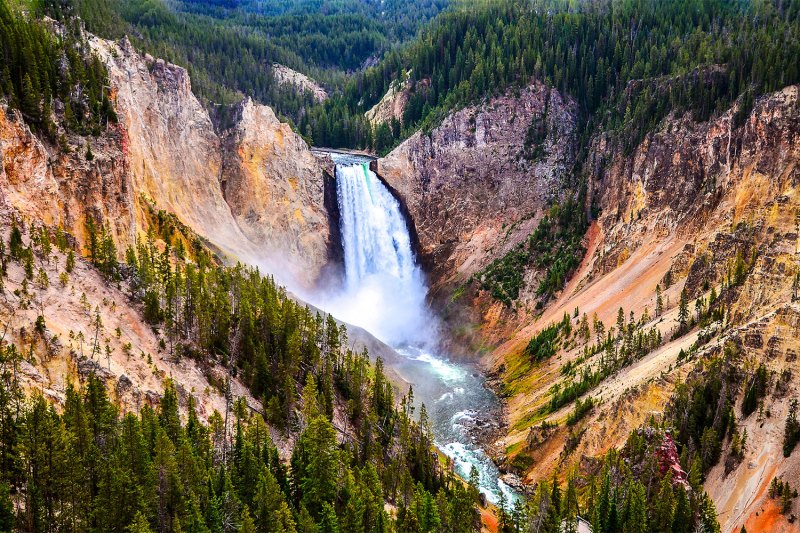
(286, 76)
(689, 177)
(25, 173)
(176, 160)
(473, 188)
(55, 187)
(276, 191)
(692, 200)
(174, 155)
(393, 103)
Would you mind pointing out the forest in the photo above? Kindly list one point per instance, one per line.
(627, 64)
(92, 467)
(40, 70)
(229, 47)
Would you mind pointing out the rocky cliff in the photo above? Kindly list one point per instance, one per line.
(254, 192)
(61, 185)
(275, 189)
(299, 81)
(701, 206)
(475, 185)
(392, 105)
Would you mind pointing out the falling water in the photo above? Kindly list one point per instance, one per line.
(385, 288)
(385, 294)
(374, 233)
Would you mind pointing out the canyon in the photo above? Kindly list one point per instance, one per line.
(679, 207)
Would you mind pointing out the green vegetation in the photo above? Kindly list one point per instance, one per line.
(791, 434)
(620, 347)
(88, 468)
(582, 408)
(229, 47)
(781, 490)
(51, 79)
(682, 56)
(702, 409)
(544, 344)
(629, 492)
(690, 55)
(755, 389)
(555, 247)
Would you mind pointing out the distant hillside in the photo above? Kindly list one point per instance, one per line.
(229, 47)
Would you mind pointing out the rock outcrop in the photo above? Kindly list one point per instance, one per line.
(58, 186)
(275, 188)
(392, 105)
(474, 187)
(302, 83)
(254, 193)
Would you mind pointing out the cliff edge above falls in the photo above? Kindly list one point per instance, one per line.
(476, 183)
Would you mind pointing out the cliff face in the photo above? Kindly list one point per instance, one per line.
(474, 185)
(255, 193)
(299, 81)
(62, 187)
(276, 192)
(393, 103)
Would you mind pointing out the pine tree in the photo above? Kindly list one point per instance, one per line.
(246, 524)
(30, 99)
(659, 301)
(6, 509)
(791, 434)
(636, 513)
(139, 524)
(683, 312)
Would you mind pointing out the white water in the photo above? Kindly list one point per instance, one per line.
(384, 288)
(385, 294)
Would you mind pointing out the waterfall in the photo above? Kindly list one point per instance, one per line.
(374, 233)
(382, 279)
(384, 292)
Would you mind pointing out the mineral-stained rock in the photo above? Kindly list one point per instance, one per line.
(275, 188)
(473, 188)
(174, 158)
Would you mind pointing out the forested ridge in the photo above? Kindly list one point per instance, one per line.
(44, 76)
(229, 47)
(692, 55)
(86, 467)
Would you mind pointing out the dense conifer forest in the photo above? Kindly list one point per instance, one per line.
(627, 64)
(41, 71)
(88, 467)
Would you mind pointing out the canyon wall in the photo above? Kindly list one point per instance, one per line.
(475, 185)
(253, 193)
(689, 202)
(276, 192)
